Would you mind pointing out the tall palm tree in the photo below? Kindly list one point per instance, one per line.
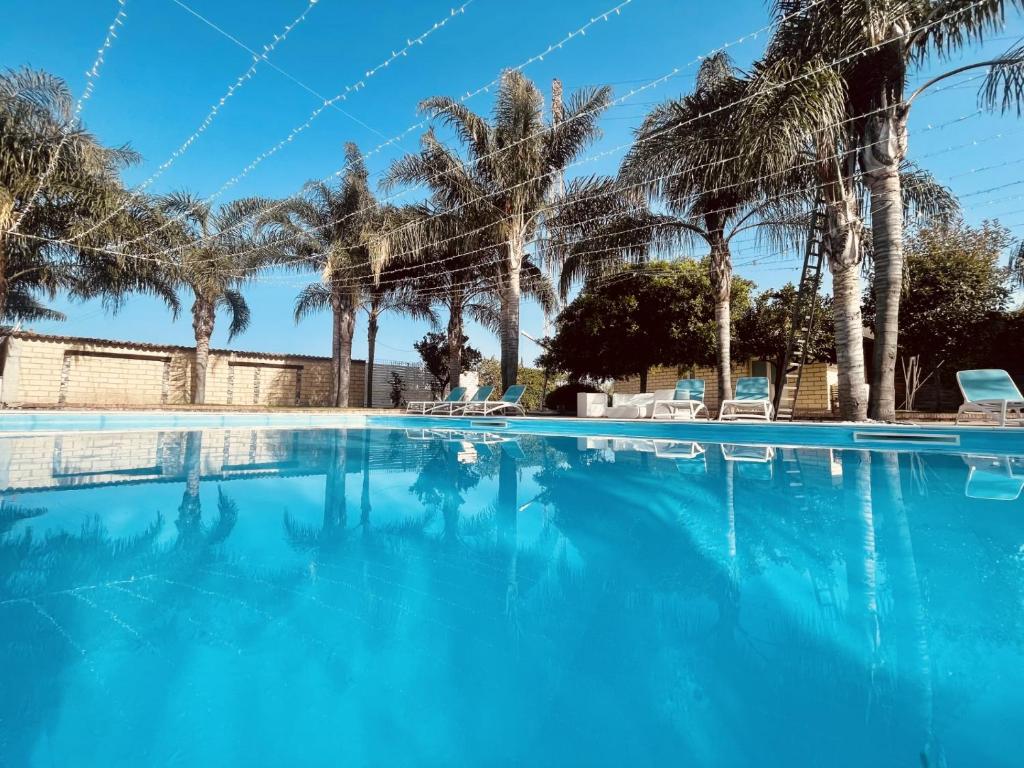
(329, 229)
(685, 159)
(56, 179)
(793, 118)
(514, 162)
(215, 252)
(876, 45)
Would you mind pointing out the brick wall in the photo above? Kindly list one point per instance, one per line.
(812, 399)
(42, 370)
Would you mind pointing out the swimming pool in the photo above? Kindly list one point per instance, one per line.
(517, 592)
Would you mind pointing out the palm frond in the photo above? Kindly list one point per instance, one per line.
(1004, 85)
(924, 197)
(234, 302)
(315, 297)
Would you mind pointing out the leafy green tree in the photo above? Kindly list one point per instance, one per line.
(662, 313)
(876, 46)
(56, 182)
(512, 168)
(955, 292)
(433, 350)
(215, 251)
(532, 378)
(762, 332)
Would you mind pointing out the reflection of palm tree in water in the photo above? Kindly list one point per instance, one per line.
(333, 530)
(908, 606)
(508, 514)
(440, 485)
(192, 533)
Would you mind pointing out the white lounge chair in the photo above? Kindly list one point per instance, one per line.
(991, 394)
(429, 406)
(687, 402)
(509, 402)
(752, 401)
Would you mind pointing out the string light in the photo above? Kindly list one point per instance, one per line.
(745, 37)
(470, 94)
(91, 76)
(654, 83)
(211, 115)
(401, 269)
(344, 95)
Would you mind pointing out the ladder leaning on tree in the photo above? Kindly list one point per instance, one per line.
(805, 313)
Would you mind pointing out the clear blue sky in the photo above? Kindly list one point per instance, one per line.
(167, 67)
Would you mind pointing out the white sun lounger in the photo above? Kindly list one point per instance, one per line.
(992, 395)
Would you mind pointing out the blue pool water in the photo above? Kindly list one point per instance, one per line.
(424, 595)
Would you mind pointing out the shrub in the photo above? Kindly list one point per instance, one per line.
(563, 398)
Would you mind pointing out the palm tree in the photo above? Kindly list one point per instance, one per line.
(55, 180)
(514, 164)
(214, 252)
(685, 158)
(793, 118)
(330, 229)
(875, 46)
(469, 284)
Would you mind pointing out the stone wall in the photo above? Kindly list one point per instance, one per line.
(41, 370)
(812, 399)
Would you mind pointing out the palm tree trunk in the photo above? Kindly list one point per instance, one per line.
(6, 215)
(337, 311)
(371, 352)
(510, 298)
(721, 283)
(203, 315)
(883, 148)
(346, 330)
(455, 340)
(845, 253)
(643, 379)
(3, 281)
(887, 237)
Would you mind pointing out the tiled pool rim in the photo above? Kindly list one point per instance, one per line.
(867, 435)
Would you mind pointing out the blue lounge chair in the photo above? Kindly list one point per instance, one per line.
(752, 401)
(480, 396)
(991, 394)
(509, 402)
(428, 406)
(686, 403)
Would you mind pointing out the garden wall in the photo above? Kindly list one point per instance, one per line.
(41, 370)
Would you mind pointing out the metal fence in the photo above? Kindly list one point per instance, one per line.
(416, 380)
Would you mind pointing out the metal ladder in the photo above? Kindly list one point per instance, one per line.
(804, 314)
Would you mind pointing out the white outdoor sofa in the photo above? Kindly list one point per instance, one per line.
(636, 406)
